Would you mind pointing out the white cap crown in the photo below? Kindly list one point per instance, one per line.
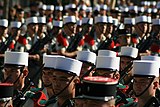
(151, 58)
(129, 51)
(69, 19)
(4, 22)
(57, 23)
(130, 21)
(17, 58)
(86, 56)
(146, 68)
(107, 53)
(106, 62)
(101, 19)
(141, 19)
(15, 24)
(50, 60)
(31, 20)
(42, 20)
(68, 64)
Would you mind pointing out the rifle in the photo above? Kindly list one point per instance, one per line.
(125, 71)
(104, 45)
(74, 44)
(40, 44)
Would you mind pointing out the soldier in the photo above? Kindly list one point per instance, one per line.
(87, 23)
(46, 97)
(82, 11)
(146, 81)
(71, 10)
(89, 13)
(17, 62)
(41, 33)
(42, 9)
(20, 15)
(58, 13)
(100, 29)
(107, 66)
(88, 59)
(18, 42)
(6, 95)
(66, 38)
(56, 30)
(103, 10)
(65, 77)
(3, 30)
(141, 27)
(99, 92)
(47, 77)
(15, 72)
(127, 55)
(129, 24)
(32, 47)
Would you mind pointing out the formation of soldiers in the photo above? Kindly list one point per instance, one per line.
(81, 56)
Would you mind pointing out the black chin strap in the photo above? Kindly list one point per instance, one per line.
(55, 96)
(21, 70)
(145, 88)
(65, 86)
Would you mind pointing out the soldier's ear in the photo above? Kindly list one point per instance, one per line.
(117, 76)
(156, 84)
(25, 72)
(76, 80)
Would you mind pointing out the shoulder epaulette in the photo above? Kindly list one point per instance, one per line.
(62, 40)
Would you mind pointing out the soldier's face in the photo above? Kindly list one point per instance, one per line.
(85, 68)
(61, 80)
(141, 83)
(124, 62)
(11, 74)
(142, 27)
(47, 76)
(101, 28)
(33, 28)
(3, 31)
(124, 40)
(109, 28)
(41, 28)
(72, 27)
(15, 32)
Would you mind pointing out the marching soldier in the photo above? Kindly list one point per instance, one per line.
(127, 55)
(107, 66)
(141, 27)
(65, 77)
(3, 30)
(88, 37)
(58, 13)
(67, 37)
(15, 72)
(56, 30)
(44, 96)
(18, 42)
(48, 79)
(146, 81)
(88, 59)
(100, 29)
